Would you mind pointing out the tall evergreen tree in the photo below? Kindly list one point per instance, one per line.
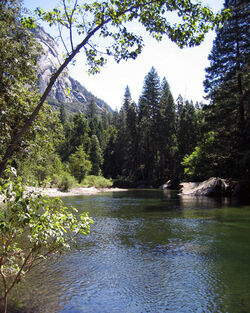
(95, 156)
(127, 99)
(128, 135)
(62, 115)
(166, 133)
(148, 110)
(121, 142)
(110, 168)
(187, 128)
(227, 84)
(76, 134)
(92, 109)
(132, 137)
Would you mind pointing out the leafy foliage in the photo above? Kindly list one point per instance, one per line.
(202, 163)
(79, 166)
(33, 227)
(97, 181)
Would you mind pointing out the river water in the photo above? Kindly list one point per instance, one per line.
(148, 251)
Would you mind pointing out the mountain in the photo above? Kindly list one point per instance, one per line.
(66, 90)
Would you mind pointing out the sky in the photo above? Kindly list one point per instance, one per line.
(184, 69)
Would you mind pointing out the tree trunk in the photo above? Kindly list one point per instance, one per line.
(5, 301)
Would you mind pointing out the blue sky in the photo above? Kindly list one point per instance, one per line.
(183, 68)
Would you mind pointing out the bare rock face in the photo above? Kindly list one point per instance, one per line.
(65, 90)
(49, 62)
(214, 186)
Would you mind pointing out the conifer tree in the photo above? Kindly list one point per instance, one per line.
(92, 109)
(95, 156)
(127, 99)
(110, 168)
(76, 134)
(128, 135)
(166, 128)
(62, 115)
(228, 86)
(187, 127)
(132, 150)
(148, 110)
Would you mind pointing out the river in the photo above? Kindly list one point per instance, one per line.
(148, 251)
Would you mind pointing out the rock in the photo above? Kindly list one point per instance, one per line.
(170, 184)
(214, 186)
(66, 89)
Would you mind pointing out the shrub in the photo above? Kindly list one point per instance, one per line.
(44, 224)
(79, 166)
(66, 182)
(96, 181)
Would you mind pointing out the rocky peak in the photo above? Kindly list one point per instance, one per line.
(78, 97)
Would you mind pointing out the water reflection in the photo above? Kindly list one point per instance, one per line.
(149, 252)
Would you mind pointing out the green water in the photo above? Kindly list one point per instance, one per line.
(148, 251)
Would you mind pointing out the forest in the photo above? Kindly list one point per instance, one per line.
(143, 144)
(146, 143)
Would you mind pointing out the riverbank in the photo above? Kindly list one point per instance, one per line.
(78, 191)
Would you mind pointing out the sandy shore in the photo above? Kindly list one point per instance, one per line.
(80, 191)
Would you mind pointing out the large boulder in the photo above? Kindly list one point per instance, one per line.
(214, 186)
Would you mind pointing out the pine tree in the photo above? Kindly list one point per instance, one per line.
(121, 143)
(149, 100)
(110, 168)
(95, 156)
(128, 135)
(92, 109)
(62, 115)
(132, 137)
(148, 110)
(127, 99)
(187, 129)
(166, 129)
(227, 85)
(76, 134)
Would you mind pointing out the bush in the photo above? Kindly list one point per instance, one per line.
(79, 166)
(96, 181)
(43, 224)
(66, 182)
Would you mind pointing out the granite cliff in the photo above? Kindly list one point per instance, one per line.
(50, 60)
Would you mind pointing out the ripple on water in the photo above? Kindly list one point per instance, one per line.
(140, 259)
